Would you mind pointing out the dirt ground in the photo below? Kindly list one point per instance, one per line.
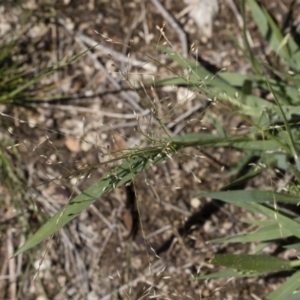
(118, 249)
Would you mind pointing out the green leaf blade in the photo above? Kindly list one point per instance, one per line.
(285, 291)
(256, 196)
(252, 263)
(120, 175)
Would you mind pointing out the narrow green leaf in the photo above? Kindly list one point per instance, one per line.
(269, 29)
(120, 175)
(295, 52)
(251, 196)
(295, 246)
(219, 126)
(43, 74)
(215, 86)
(252, 263)
(266, 233)
(294, 296)
(285, 221)
(242, 163)
(259, 248)
(229, 273)
(282, 89)
(209, 140)
(256, 66)
(243, 142)
(285, 291)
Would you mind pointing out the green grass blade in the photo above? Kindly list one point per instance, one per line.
(269, 29)
(294, 296)
(295, 246)
(24, 84)
(288, 130)
(209, 140)
(252, 263)
(120, 175)
(286, 93)
(266, 233)
(255, 64)
(229, 273)
(259, 247)
(242, 142)
(295, 62)
(214, 86)
(286, 289)
(218, 126)
(283, 221)
(257, 196)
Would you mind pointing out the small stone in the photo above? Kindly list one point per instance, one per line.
(195, 203)
(73, 144)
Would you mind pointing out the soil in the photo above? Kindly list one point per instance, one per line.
(148, 239)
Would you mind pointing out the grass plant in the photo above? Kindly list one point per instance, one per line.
(270, 139)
